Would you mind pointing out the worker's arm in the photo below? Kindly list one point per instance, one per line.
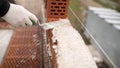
(16, 15)
(4, 7)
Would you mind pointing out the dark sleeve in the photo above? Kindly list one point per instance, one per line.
(4, 7)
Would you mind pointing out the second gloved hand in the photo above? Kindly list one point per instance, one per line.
(19, 16)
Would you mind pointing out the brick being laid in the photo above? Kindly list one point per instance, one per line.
(57, 9)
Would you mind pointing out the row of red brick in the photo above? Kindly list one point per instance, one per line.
(22, 51)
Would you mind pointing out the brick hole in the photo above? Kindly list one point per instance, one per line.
(59, 10)
(55, 13)
(63, 0)
(52, 10)
(53, 3)
(63, 7)
(60, 3)
(56, 6)
(62, 14)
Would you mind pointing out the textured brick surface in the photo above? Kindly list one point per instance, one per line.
(53, 61)
(25, 49)
(53, 19)
(4, 25)
(57, 9)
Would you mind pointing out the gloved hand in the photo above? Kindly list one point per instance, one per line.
(19, 16)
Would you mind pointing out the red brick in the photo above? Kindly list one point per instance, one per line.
(57, 9)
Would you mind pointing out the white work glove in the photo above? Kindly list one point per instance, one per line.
(19, 16)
